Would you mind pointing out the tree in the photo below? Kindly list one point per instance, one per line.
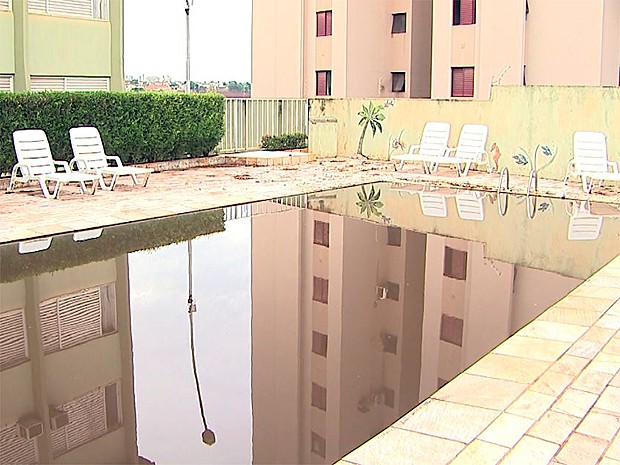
(369, 115)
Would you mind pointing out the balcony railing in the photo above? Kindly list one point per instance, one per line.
(248, 120)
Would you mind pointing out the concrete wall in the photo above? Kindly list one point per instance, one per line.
(519, 118)
(7, 56)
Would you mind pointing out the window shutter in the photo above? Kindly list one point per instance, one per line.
(468, 82)
(320, 24)
(328, 23)
(6, 83)
(85, 84)
(5, 4)
(37, 6)
(14, 448)
(457, 82)
(13, 347)
(468, 12)
(39, 83)
(321, 83)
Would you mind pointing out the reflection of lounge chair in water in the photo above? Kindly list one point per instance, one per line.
(469, 205)
(433, 204)
(586, 220)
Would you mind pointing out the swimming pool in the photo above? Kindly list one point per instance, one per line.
(319, 320)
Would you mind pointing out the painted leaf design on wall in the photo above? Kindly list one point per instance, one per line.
(369, 202)
(521, 159)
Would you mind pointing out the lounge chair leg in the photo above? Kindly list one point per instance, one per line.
(46, 191)
(146, 179)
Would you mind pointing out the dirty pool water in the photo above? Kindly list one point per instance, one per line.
(287, 331)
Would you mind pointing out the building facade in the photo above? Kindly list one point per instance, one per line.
(430, 48)
(61, 45)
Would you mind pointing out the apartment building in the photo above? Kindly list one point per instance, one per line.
(430, 48)
(61, 45)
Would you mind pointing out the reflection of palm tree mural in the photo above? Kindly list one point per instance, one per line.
(370, 115)
(208, 436)
(369, 201)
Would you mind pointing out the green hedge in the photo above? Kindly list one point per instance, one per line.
(137, 126)
(295, 140)
(114, 241)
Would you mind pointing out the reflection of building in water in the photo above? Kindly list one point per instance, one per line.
(67, 378)
(354, 323)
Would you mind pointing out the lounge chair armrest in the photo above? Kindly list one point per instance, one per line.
(63, 164)
(613, 165)
(449, 150)
(115, 159)
(23, 168)
(77, 163)
(412, 148)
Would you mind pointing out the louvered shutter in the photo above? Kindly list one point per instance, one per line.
(82, 8)
(320, 24)
(6, 83)
(321, 83)
(328, 23)
(85, 84)
(39, 83)
(50, 326)
(457, 82)
(13, 347)
(5, 4)
(15, 449)
(468, 12)
(468, 82)
(37, 6)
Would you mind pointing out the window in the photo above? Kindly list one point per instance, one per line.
(14, 349)
(323, 83)
(394, 236)
(389, 342)
(317, 444)
(399, 23)
(455, 263)
(451, 330)
(388, 395)
(6, 83)
(463, 82)
(38, 83)
(323, 23)
(319, 343)
(463, 12)
(321, 233)
(393, 290)
(16, 449)
(97, 9)
(398, 82)
(320, 290)
(319, 397)
(5, 5)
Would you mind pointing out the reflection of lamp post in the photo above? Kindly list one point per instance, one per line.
(188, 4)
(208, 436)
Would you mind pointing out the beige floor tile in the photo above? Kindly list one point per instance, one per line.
(510, 368)
(480, 453)
(592, 381)
(532, 348)
(608, 461)
(609, 400)
(581, 450)
(616, 380)
(531, 405)
(612, 347)
(600, 425)
(598, 333)
(571, 316)
(479, 391)
(551, 383)
(530, 451)
(554, 331)
(448, 420)
(609, 321)
(605, 363)
(569, 365)
(397, 446)
(605, 281)
(574, 402)
(506, 430)
(613, 452)
(588, 290)
(586, 303)
(585, 349)
(554, 427)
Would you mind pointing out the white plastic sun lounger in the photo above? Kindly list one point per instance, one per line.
(433, 204)
(90, 157)
(35, 163)
(590, 160)
(471, 149)
(583, 225)
(469, 205)
(434, 144)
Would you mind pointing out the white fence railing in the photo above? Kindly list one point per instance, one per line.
(248, 120)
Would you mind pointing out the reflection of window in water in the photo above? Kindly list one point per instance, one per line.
(75, 318)
(16, 449)
(13, 347)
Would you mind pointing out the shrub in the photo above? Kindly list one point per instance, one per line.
(296, 140)
(136, 126)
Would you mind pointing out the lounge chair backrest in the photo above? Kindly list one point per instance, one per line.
(435, 139)
(88, 147)
(33, 150)
(472, 141)
(590, 151)
(433, 204)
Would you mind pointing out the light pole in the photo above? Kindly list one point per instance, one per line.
(188, 4)
(208, 436)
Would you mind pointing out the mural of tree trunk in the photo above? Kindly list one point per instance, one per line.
(370, 115)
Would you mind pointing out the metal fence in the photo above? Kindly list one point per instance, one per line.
(248, 120)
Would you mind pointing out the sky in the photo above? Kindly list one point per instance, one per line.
(220, 39)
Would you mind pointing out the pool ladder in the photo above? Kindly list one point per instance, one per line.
(503, 187)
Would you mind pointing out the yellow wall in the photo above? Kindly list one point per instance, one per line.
(517, 116)
(68, 48)
(7, 58)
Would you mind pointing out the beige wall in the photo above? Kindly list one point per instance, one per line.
(7, 57)
(518, 118)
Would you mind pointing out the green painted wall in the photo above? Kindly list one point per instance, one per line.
(61, 47)
(519, 118)
(7, 56)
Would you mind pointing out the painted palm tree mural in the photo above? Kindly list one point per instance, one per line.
(369, 202)
(370, 115)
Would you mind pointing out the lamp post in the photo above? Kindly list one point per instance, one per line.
(208, 436)
(188, 4)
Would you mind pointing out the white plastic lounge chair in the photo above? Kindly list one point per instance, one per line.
(469, 150)
(35, 163)
(469, 205)
(89, 157)
(433, 204)
(434, 144)
(583, 225)
(590, 160)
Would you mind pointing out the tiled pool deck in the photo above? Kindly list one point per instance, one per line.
(549, 394)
